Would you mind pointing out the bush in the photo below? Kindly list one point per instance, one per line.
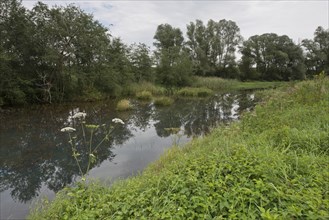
(163, 101)
(124, 105)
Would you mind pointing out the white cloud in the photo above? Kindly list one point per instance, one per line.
(136, 21)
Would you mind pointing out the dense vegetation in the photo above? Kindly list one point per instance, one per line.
(62, 53)
(273, 164)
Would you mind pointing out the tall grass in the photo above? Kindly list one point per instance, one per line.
(136, 88)
(163, 101)
(273, 164)
(144, 95)
(216, 83)
(194, 92)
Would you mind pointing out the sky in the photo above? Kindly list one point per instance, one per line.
(136, 21)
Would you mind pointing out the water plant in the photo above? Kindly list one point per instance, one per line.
(87, 139)
(124, 105)
(144, 95)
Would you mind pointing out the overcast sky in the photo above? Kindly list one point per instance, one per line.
(136, 21)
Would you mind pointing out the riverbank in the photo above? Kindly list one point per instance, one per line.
(273, 164)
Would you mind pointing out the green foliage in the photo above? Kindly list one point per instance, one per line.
(144, 95)
(135, 88)
(271, 165)
(124, 105)
(163, 101)
(174, 67)
(194, 92)
(141, 62)
(220, 84)
(317, 56)
(213, 47)
(272, 57)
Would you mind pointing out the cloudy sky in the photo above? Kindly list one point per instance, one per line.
(136, 21)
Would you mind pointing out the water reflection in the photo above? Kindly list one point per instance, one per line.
(35, 154)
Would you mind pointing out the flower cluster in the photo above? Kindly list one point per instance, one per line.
(80, 115)
(68, 129)
(118, 121)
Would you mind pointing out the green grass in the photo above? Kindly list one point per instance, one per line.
(163, 101)
(273, 164)
(124, 105)
(194, 92)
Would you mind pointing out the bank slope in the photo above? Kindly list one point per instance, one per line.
(273, 164)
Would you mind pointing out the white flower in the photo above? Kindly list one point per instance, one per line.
(117, 120)
(79, 115)
(68, 129)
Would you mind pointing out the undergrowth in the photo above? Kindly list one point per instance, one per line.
(273, 164)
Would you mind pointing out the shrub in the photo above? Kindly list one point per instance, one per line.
(124, 105)
(163, 101)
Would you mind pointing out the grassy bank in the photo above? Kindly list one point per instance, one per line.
(273, 164)
(220, 84)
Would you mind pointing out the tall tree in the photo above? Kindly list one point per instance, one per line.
(15, 29)
(140, 58)
(317, 52)
(174, 67)
(213, 47)
(272, 57)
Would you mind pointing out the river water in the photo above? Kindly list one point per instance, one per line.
(36, 158)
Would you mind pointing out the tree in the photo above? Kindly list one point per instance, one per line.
(72, 50)
(213, 47)
(15, 29)
(317, 52)
(174, 67)
(272, 57)
(141, 61)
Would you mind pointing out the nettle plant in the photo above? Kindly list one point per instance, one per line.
(88, 131)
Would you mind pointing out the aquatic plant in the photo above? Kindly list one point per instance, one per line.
(144, 95)
(124, 105)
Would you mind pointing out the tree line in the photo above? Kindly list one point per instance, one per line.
(62, 53)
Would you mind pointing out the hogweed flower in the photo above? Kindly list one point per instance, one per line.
(68, 129)
(118, 121)
(79, 115)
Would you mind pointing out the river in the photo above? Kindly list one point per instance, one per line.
(36, 159)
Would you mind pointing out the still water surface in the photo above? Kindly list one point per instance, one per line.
(36, 159)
